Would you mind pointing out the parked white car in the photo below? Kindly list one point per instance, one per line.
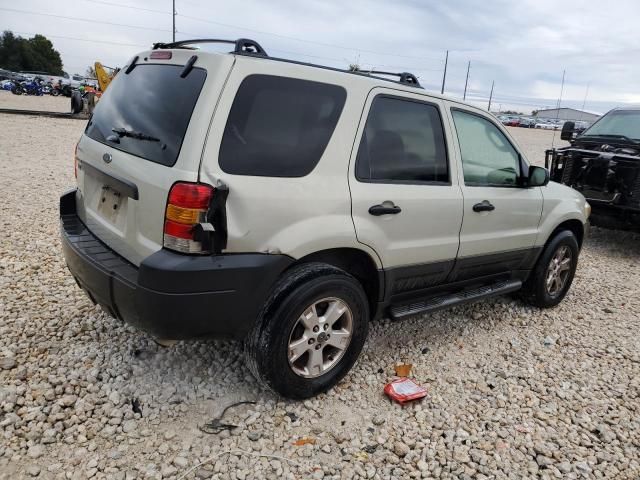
(288, 204)
(549, 124)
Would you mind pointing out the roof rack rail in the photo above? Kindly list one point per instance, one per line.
(405, 77)
(243, 46)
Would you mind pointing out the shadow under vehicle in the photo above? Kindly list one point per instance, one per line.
(603, 163)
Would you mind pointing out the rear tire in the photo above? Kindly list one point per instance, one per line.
(76, 102)
(553, 274)
(286, 353)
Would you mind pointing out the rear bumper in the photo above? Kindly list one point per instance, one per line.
(170, 296)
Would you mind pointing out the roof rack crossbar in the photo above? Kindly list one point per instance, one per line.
(405, 77)
(243, 46)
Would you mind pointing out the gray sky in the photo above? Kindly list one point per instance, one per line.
(523, 45)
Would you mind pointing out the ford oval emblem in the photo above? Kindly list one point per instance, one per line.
(107, 158)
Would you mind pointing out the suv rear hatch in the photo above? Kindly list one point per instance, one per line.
(146, 133)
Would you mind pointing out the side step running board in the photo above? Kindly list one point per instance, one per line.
(432, 304)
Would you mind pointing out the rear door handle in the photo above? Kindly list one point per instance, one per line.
(484, 206)
(377, 210)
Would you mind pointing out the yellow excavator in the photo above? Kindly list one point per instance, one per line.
(104, 78)
(84, 101)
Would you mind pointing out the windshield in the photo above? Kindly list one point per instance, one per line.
(151, 102)
(617, 122)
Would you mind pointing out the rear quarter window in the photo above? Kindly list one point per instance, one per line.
(279, 127)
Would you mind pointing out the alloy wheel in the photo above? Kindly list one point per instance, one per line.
(558, 271)
(320, 337)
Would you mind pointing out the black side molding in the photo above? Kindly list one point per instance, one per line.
(123, 186)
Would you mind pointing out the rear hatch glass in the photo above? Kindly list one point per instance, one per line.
(147, 111)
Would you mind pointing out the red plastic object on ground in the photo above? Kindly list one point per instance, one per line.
(404, 390)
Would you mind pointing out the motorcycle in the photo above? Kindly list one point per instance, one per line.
(32, 87)
(61, 89)
(17, 89)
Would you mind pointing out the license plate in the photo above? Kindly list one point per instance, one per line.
(111, 204)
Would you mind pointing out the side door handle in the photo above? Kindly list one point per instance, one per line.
(377, 210)
(484, 206)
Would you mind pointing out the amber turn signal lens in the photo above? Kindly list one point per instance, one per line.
(184, 215)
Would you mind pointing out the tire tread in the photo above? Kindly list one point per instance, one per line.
(292, 279)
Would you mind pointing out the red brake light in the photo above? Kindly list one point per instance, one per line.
(186, 206)
(190, 195)
(179, 230)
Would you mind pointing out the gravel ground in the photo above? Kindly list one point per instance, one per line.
(534, 142)
(29, 102)
(514, 392)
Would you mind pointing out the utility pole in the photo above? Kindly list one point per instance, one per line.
(466, 82)
(491, 95)
(174, 21)
(444, 75)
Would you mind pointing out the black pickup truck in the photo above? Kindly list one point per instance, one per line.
(603, 163)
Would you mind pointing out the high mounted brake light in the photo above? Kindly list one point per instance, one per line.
(187, 206)
(160, 55)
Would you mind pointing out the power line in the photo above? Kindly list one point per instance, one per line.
(139, 27)
(165, 12)
(334, 59)
(89, 20)
(355, 49)
(87, 40)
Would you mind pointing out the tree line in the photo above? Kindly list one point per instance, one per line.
(20, 54)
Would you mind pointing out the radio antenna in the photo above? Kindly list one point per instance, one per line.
(553, 140)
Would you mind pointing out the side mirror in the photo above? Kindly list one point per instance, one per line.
(567, 131)
(538, 176)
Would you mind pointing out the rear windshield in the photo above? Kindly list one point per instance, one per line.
(279, 127)
(153, 101)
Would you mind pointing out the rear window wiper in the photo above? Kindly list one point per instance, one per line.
(121, 132)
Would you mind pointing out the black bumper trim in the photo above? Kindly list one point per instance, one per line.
(171, 296)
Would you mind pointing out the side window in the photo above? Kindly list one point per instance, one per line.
(488, 158)
(402, 141)
(279, 127)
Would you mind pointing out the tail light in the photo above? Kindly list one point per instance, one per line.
(187, 206)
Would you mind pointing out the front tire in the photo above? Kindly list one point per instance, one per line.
(310, 332)
(552, 276)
